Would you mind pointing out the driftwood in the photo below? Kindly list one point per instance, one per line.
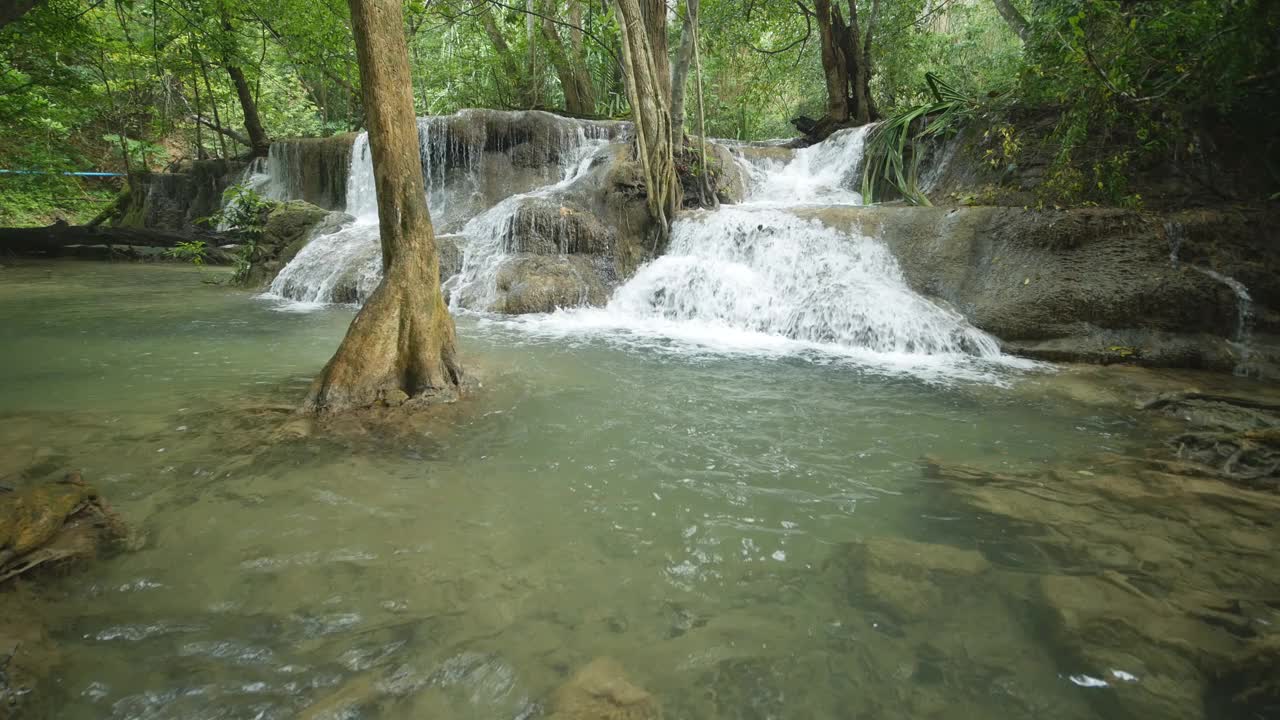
(51, 239)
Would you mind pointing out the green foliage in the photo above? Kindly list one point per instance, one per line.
(243, 216)
(895, 147)
(193, 251)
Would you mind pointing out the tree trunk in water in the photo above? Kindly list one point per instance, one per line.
(680, 71)
(648, 79)
(401, 345)
(1014, 19)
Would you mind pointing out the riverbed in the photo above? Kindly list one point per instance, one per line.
(701, 513)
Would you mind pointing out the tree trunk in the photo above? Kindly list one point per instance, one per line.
(259, 143)
(680, 71)
(835, 68)
(12, 10)
(1014, 19)
(510, 67)
(401, 345)
(648, 80)
(574, 103)
(578, 57)
(859, 72)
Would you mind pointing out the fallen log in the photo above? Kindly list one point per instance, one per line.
(51, 239)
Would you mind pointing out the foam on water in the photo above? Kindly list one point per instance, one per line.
(821, 174)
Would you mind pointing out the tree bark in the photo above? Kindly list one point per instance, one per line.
(12, 10)
(259, 143)
(835, 68)
(648, 80)
(680, 71)
(574, 101)
(1014, 19)
(401, 346)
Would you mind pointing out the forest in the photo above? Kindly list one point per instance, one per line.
(643, 359)
(119, 86)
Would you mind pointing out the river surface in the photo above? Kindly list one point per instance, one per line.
(681, 509)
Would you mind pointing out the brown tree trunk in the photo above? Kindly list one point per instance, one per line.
(835, 68)
(259, 144)
(401, 345)
(578, 57)
(574, 102)
(648, 80)
(11, 10)
(1014, 19)
(859, 72)
(520, 89)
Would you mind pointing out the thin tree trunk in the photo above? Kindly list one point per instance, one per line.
(213, 102)
(573, 102)
(680, 71)
(1014, 19)
(578, 54)
(259, 144)
(401, 346)
(709, 197)
(858, 72)
(506, 57)
(648, 80)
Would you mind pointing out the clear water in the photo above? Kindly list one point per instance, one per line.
(676, 508)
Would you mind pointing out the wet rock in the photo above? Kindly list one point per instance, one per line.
(1093, 285)
(288, 229)
(52, 523)
(1147, 653)
(602, 691)
(905, 580)
(543, 283)
(313, 170)
(27, 656)
(176, 201)
(546, 227)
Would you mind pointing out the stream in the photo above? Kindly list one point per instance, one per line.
(675, 507)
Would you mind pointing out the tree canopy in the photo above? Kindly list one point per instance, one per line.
(123, 85)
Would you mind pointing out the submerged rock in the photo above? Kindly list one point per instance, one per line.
(52, 523)
(904, 579)
(602, 691)
(27, 656)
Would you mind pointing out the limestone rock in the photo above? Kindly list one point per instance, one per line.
(543, 283)
(602, 691)
(545, 227)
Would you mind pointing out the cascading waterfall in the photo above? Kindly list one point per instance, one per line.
(767, 271)
(487, 236)
(1177, 234)
(345, 266)
(754, 274)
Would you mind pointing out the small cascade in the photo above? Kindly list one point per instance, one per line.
(764, 270)
(1176, 233)
(821, 174)
(488, 236)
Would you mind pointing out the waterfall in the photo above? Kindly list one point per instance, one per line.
(756, 275)
(462, 193)
(766, 271)
(1176, 233)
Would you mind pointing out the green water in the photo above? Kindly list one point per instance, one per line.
(682, 513)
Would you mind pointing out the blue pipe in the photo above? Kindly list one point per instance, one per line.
(46, 172)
